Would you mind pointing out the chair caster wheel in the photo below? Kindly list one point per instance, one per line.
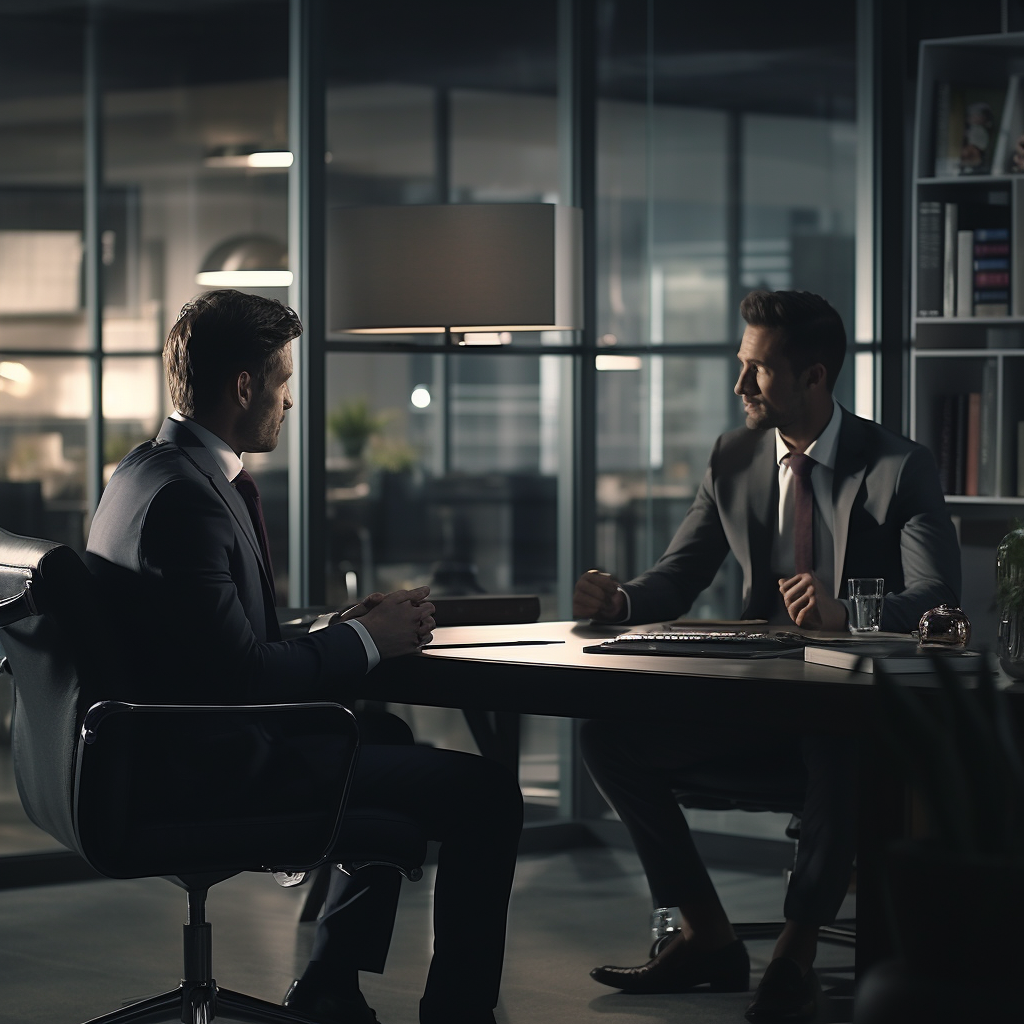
(660, 943)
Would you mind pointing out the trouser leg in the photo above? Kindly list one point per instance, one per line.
(473, 808)
(828, 830)
(632, 765)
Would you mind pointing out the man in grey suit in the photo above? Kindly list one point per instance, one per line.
(179, 538)
(877, 511)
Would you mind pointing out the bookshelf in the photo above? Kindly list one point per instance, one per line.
(967, 280)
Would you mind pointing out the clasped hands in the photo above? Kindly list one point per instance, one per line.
(398, 623)
(597, 596)
(809, 604)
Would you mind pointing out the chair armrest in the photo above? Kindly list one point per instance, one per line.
(174, 789)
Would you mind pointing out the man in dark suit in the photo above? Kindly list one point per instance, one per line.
(872, 506)
(179, 537)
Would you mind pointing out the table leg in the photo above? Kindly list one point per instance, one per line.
(496, 734)
(881, 820)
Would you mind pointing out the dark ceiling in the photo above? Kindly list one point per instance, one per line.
(793, 56)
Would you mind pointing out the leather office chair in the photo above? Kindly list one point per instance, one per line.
(195, 794)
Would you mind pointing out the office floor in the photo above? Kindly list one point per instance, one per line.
(71, 952)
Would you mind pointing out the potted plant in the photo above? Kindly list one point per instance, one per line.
(1010, 598)
(353, 425)
(955, 895)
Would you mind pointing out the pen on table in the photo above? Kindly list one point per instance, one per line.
(494, 643)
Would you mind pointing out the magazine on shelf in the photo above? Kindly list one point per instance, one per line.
(968, 119)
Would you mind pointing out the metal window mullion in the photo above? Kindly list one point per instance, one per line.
(92, 255)
(307, 546)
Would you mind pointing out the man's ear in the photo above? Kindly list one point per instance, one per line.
(816, 376)
(244, 389)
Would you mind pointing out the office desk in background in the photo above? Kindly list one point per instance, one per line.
(780, 695)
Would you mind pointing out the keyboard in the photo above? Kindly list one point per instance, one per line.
(728, 643)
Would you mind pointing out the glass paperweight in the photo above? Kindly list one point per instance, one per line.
(944, 626)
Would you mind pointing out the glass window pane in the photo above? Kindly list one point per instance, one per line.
(135, 401)
(443, 470)
(658, 422)
(717, 173)
(196, 157)
(42, 160)
(44, 407)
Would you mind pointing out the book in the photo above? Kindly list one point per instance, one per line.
(990, 263)
(950, 215)
(991, 309)
(1011, 128)
(985, 249)
(1020, 459)
(972, 443)
(989, 427)
(966, 266)
(960, 445)
(992, 279)
(987, 235)
(895, 656)
(929, 258)
(947, 443)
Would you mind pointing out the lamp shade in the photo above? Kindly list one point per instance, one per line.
(461, 268)
(248, 261)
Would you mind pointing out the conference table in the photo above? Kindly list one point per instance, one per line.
(541, 668)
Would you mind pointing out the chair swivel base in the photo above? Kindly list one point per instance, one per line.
(202, 1004)
(198, 1000)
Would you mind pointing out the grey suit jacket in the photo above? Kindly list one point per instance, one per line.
(174, 544)
(890, 521)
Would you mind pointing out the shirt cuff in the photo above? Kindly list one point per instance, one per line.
(372, 654)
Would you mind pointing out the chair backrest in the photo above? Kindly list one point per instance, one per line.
(179, 790)
(52, 629)
(142, 790)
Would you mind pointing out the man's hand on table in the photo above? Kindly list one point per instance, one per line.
(809, 604)
(398, 623)
(597, 596)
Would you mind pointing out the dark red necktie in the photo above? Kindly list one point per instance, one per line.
(246, 487)
(803, 512)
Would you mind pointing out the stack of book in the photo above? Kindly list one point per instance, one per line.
(990, 259)
(962, 271)
(967, 438)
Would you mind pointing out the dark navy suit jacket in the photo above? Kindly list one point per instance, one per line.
(173, 543)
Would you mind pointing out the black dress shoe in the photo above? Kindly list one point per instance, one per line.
(679, 968)
(323, 1005)
(785, 994)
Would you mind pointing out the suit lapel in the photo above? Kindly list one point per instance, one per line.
(177, 433)
(846, 480)
(761, 506)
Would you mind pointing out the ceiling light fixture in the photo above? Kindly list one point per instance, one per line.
(248, 261)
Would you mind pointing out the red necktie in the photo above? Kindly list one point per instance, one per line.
(246, 487)
(803, 512)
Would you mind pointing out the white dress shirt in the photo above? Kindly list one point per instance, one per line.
(231, 465)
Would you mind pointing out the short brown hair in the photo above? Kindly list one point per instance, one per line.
(216, 337)
(812, 331)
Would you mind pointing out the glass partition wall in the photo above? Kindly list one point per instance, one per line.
(144, 139)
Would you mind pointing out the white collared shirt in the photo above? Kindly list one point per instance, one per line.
(231, 466)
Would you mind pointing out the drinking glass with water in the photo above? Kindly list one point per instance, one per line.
(865, 604)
